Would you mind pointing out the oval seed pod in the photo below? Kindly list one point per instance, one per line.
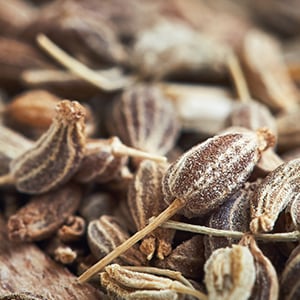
(206, 175)
(230, 273)
(277, 190)
(105, 234)
(145, 200)
(266, 286)
(252, 115)
(144, 119)
(56, 156)
(233, 215)
(290, 277)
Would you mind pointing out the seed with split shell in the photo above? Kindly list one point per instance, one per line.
(278, 189)
(230, 273)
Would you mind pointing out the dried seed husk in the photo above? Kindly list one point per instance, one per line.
(289, 280)
(187, 258)
(72, 230)
(288, 130)
(206, 175)
(43, 215)
(105, 234)
(57, 154)
(266, 286)
(179, 51)
(145, 200)
(276, 191)
(252, 115)
(144, 119)
(233, 215)
(22, 296)
(99, 162)
(230, 273)
(268, 78)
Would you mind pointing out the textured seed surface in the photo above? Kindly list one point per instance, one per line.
(56, 155)
(266, 286)
(210, 172)
(233, 215)
(144, 119)
(44, 214)
(145, 200)
(289, 280)
(99, 163)
(187, 258)
(277, 190)
(105, 234)
(230, 273)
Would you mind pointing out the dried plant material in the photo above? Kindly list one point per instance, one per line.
(56, 156)
(122, 283)
(105, 234)
(17, 56)
(187, 258)
(230, 273)
(291, 154)
(72, 230)
(289, 280)
(42, 216)
(233, 215)
(200, 108)
(268, 78)
(144, 119)
(76, 67)
(180, 183)
(145, 200)
(276, 191)
(32, 110)
(266, 286)
(12, 143)
(178, 50)
(97, 204)
(65, 255)
(288, 130)
(252, 115)
(206, 175)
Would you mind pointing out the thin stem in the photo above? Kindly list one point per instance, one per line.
(238, 78)
(7, 179)
(180, 288)
(162, 217)
(80, 69)
(267, 237)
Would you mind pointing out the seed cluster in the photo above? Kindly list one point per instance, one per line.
(148, 183)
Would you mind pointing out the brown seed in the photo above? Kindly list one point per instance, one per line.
(266, 286)
(289, 280)
(72, 230)
(56, 156)
(105, 234)
(145, 200)
(187, 258)
(233, 215)
(278, 189)
(230, 273)
(42, 216)
(144, 119)
(206, 175)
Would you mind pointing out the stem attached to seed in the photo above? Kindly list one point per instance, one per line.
(238, 78)
(7, 179)
(80, 69)
(176, 205)
(267, 237)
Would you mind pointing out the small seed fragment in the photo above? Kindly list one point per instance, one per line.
(277, 190)
(230, 273)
